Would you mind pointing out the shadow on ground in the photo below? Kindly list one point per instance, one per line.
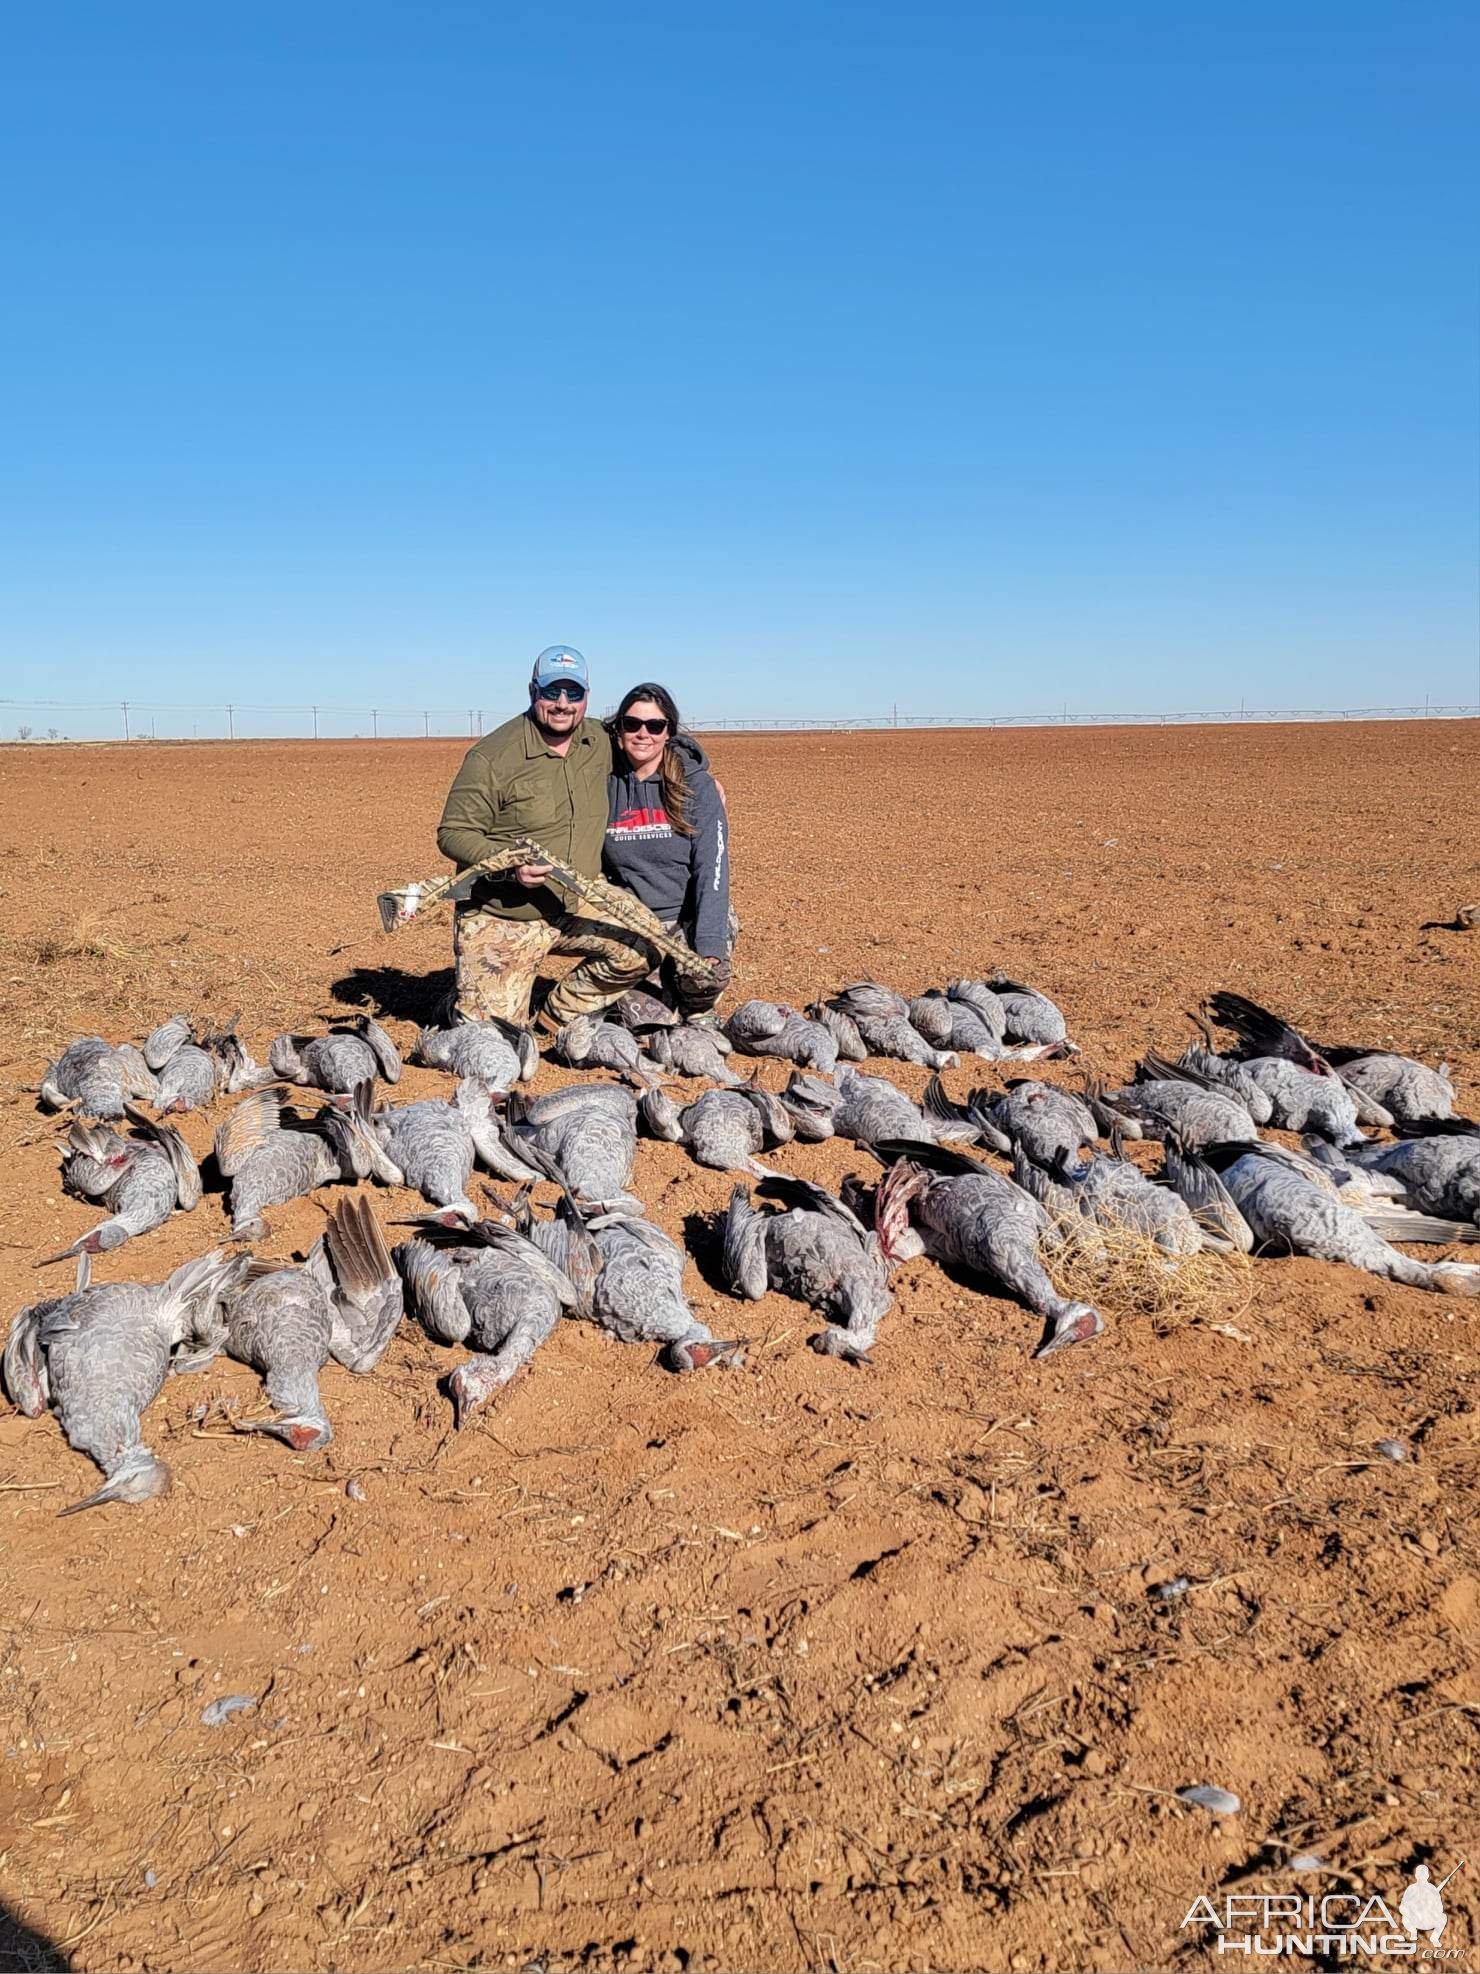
(23, 1951)
(392, 991)
(704, 1237)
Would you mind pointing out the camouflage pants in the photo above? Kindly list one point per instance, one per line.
(498, 960)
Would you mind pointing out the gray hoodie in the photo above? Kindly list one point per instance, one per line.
(684, 879)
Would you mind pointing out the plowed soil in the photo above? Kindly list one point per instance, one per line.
(801, 1665)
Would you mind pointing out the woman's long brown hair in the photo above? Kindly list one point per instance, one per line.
(675, 780)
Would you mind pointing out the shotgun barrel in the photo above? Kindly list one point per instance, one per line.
(607, 901)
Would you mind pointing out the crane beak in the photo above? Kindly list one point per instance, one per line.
(1077, 1325)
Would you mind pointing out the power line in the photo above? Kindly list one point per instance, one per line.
(450, 724)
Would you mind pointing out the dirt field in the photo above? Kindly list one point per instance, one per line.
(803, 1666)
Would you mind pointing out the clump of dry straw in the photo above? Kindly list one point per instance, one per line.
(1123, 1272)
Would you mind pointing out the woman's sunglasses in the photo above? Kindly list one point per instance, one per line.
(631, 724)
(562, 689)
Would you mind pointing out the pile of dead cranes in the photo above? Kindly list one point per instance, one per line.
(500, 1281)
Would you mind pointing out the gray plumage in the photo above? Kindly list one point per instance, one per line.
(141, 1178)
(588, 1042)
(287, 1322)
(272, 1154)
(497, 1293)
(1172, 1097)
(882, 1018)
(1049, 1124)
(723, 1129)
(872, 999)
(1228, 1073)
(1291, 1204)
(1408, 1091)
(1264, 1037)
(493, 1053)
(587, 1132)
(1113, 1193)
(100, 1356)
(932, 1015)
(96, 1079)
(435, 1143)
(191, 1071)
(1301, 1101)
(817, 1250)
(1439, 1174)
(628, 1278)
(1028, 1015)
(869, 1108)
(347, 1056)
(771, 1028)
(952, 1023)
(167, 1040)
(969, 1019)
(984, 1003)
(940, 1203)
(850, 1045)
(693, 1050)
(188, 1080)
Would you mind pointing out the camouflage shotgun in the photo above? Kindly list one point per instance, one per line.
(616, 906)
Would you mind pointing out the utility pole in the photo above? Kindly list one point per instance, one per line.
(125, 720)
(480, 719)
(470, 720)
(426, 725)
(315, 722)
(231, 722)
(375, 723)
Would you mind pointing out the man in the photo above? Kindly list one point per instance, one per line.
(542, 774)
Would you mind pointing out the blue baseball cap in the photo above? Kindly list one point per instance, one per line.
(560, 661)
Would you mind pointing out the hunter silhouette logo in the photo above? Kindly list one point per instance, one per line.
(1421, 1907)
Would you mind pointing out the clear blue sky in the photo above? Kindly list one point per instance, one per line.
(809, 357)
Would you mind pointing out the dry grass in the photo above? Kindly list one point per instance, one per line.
(1124, 1273)
(77, 978)
(87, 939)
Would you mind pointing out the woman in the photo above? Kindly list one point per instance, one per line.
(666, 836)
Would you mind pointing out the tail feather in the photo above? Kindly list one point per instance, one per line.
(744, 1250)
(1195, 1176)
(362, 1262)
(1264, 1032)
(1395, 1224)
(937, 1158)
(206, 1276)
(1154, 1068)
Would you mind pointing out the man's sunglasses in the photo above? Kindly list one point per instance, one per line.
(562, 689)
(631, 724)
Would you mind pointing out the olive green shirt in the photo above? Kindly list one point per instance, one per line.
(511, 785)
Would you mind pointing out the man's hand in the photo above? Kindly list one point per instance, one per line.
(531, 876)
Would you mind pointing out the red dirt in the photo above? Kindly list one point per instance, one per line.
(800, 1666)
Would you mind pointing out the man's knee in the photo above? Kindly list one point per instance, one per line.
(607, 953)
